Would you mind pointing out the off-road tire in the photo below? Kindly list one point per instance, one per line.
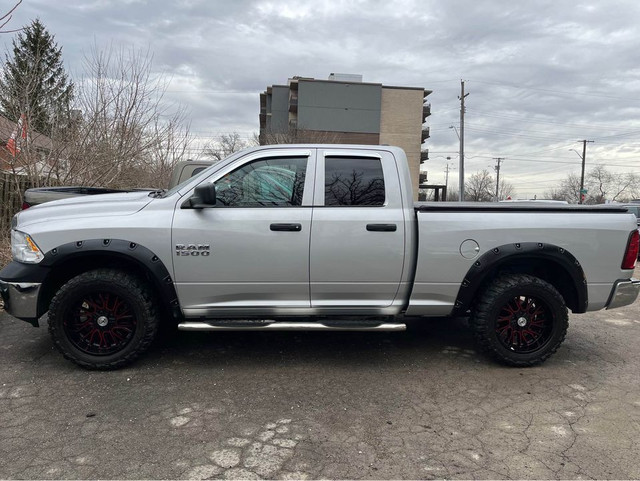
(76, 294)
(496, 303)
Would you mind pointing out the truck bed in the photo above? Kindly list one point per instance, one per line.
(515, 207)
(457, 237)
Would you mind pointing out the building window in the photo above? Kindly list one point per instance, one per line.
(353, 181)
(264, 183)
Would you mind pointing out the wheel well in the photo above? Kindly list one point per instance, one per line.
(67, 269)
(545, 269)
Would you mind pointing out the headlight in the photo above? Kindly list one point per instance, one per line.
(24, 249)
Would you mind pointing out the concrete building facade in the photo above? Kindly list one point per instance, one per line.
(344, 109)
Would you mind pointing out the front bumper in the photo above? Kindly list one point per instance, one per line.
(21, 299)
(624, 292)
(20, 286)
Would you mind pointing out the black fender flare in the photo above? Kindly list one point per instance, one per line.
(491, 261)
(143, 258)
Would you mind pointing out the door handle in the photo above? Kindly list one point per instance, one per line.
(382, 227)
(286, 227)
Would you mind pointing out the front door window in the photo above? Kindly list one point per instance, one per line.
(263, 183)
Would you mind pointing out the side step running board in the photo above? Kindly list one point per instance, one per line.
(289, 326)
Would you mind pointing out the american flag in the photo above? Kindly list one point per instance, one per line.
(14, 142)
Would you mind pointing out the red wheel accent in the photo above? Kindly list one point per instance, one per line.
(100, 323)
(524, 324)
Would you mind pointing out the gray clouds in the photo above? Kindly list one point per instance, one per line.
(541, 75)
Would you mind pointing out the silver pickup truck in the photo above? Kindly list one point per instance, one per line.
(311, 237)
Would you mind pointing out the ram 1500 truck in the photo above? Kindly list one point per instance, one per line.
(311, 237)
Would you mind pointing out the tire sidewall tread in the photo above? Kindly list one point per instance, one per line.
(491, 300)
(133, 289)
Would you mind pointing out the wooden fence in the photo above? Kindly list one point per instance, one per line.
(12, 189)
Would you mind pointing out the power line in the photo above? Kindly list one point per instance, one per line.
(538, 121)
(574, 163)
(510, 134)
(561, 92)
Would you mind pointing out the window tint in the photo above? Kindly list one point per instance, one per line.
(353, 181)
(264, 183)
(197, 170)
(633, 210)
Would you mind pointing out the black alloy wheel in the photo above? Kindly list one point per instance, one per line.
(100, 323)
(103, 319)
(524, 324)
(519, 319)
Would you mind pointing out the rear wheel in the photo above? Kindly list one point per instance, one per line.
(103, 319)
(520, 320)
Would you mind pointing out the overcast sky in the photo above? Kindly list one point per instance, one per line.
(540, 74)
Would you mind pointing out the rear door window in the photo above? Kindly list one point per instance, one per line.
(353, 181)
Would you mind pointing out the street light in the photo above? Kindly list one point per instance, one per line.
(446, 179)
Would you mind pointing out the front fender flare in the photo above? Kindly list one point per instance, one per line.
(127, 251)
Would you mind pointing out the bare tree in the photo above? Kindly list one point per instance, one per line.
(554, 194)
(227, 145)
(349, 188)
(480, 187)
(601, 184)
(568, 190)
(6, 18)
(505, 190)
(122, 133)
(604, 185)
(126, 131)
(171, 146)
(298, 136)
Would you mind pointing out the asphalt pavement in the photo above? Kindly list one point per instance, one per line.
(416, 404)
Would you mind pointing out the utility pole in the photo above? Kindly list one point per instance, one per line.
(462, 97)
(497, 169)
(584, 156)
(446, 179)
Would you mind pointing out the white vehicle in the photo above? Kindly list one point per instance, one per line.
(311, 237)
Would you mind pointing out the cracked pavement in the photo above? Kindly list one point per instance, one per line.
(420, 404)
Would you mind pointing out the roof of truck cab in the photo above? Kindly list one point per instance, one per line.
(323, 146)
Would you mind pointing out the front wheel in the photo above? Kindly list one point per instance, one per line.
(103, 319)
(520, 320)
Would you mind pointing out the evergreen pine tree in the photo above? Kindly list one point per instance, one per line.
(33, 81)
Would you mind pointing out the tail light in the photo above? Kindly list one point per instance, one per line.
(631, 254)
(25, 205)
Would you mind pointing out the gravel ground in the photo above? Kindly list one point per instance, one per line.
(420, 404)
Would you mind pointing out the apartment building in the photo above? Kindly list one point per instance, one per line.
(344, 109)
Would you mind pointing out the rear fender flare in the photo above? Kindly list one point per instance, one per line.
(492, 261)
